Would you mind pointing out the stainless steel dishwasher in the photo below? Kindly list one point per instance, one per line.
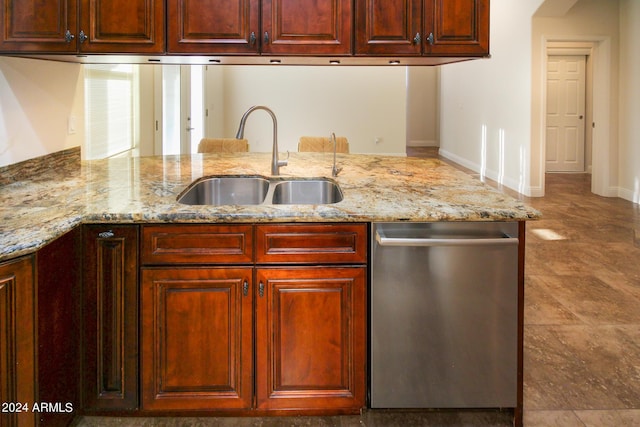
(444, 315)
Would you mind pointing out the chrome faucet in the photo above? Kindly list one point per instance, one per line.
(335, 170)
(275, 163)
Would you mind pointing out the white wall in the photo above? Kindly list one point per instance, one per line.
(36, 100)
(360, 103)
(423, 106)
(629, 136)
(486, 104)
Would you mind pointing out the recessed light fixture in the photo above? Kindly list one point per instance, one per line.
(153, 60)
(394, 62)
(275, 61)
(215, 61)
(334, 61)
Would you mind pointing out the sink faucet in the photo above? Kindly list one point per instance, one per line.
(275, 163)
(335, 170)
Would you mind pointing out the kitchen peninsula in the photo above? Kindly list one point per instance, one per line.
(36, 210)
(252, 272)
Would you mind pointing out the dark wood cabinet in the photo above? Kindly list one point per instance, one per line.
(110, 317)
(197, 317)
(293, 293)
(17, 341)
(59, 329)
(320, 27)
(422, 27)
(213, 26)
(197, 338)
(310, 338)
(43, 26)
(86, 26)
(456, 27)
(271, 27)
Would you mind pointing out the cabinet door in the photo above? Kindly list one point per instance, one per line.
(121, 26)
(213, 26)
(320, 27)
(456, 27)
(110, 312)
(310, 338)
(29, 26)
(17, 340)
(197, 338)
(388, 27)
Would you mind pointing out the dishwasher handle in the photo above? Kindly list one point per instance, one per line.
(383, 240)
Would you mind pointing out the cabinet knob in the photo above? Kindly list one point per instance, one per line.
(261, 289)
(106, 234)
(430, 38)
(252, 38)
(245, 288)
(266, 37)
(68, 37)
(417, 39)
(82, 36)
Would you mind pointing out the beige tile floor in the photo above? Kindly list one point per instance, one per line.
(582, 323)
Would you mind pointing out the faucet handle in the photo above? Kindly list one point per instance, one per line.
(285, 161)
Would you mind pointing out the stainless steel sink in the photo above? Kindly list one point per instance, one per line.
(258, 190)
(227, 190)
(306, 192)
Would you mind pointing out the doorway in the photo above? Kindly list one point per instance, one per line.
(597, 51)
(566, 113)
(180, 108)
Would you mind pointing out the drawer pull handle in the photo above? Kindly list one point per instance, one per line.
(261, 289)
(106, 234)
(245, 288)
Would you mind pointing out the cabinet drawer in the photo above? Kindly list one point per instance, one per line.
(197, 244)
(311, 244)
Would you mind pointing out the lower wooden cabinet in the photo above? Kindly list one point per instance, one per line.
(283, 330)
(197, 338)
(17, 342)
(310, 338)
(110, 316)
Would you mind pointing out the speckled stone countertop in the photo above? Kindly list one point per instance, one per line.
(40, 208)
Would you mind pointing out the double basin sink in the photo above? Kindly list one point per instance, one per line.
(258, 190)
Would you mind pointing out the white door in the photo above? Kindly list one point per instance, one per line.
(565, 113)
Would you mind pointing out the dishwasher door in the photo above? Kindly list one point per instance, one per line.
(444, 315)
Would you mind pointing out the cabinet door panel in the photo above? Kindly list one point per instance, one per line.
(213, 26)
(320, 27)
(122, 26)
(310, 338)
(17, 340)
(110, 312)
(459, 27)
(196, 338)
(28, 26)
(391, 27)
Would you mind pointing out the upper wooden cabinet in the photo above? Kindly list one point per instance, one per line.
(244, 30)
(422, 27)
(85, 26)
(320, 27)
(220, 26)
(283, 27)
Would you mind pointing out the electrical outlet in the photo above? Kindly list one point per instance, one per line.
(71, 125)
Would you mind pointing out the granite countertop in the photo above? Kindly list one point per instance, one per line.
(42, 207)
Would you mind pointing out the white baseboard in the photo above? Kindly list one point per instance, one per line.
(422, 143)
(525, 190)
